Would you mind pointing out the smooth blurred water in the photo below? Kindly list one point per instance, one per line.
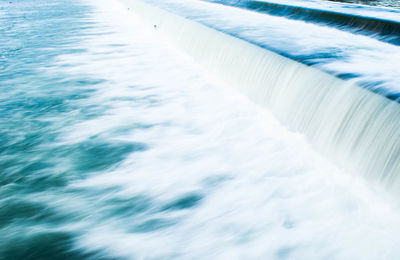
(114, 145)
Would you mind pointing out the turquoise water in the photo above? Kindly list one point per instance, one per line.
(115, 145)
(36, 103)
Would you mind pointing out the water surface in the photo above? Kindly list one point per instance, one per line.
(115, 145)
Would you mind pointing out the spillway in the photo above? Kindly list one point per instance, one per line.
(355, 127)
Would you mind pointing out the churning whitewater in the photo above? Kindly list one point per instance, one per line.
(114, 144)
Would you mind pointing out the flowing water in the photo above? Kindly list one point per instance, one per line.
(115, 145)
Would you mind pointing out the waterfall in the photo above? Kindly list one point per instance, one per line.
(354, 127)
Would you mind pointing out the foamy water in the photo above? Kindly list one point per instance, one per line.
(118, 146)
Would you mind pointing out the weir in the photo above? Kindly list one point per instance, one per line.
(354, 127)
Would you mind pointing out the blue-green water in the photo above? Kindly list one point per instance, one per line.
(36, 103)
(114, 145)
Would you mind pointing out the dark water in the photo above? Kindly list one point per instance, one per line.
(382, 3)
